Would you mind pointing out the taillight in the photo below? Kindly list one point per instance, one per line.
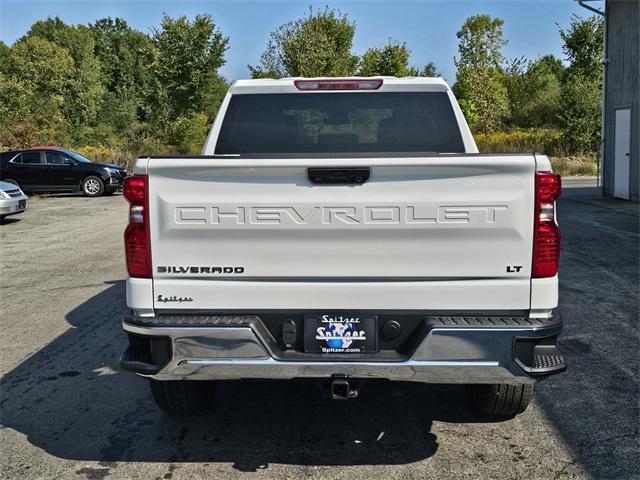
(136, 236)
(339, 84)
(546, 234)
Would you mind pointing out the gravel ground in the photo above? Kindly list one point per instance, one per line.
(68, 412)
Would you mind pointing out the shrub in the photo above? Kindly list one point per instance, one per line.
(543, 140)
(188, 134)
(103, 154)
(580, 113)
(583, 165)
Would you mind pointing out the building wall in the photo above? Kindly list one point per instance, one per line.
(622, 86)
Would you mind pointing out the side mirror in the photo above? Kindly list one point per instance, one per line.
(69, 162)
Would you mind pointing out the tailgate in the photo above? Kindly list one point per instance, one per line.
(222, 228)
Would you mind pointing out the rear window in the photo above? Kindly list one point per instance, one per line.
(340, 123)
(7, 156)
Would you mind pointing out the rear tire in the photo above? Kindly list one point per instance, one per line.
(92, 186)
(182, 397)
(501, 400)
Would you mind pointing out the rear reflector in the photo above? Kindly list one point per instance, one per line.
(338, 84)
(136, 236)
(546, 234)
(136, 243)
(548, 187)
(135, 189)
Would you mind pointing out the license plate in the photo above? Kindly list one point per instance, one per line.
(340, 333)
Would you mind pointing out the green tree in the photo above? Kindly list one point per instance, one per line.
(580, 108)
(49, 28)
(483, 89)
(391, 59)
(185, 68)
(318, 44)
(549, 65)
(125, 56)
(108, 84)
(82, 101)
(189, 133)
(429, 70)
(544, 82)
(14, 105)
(480, 42)
(33, 92)
(534, 91)
(583, 46)
(41, 67)
(5, 53)
(470, 112)
(579, 114)
(478, 80)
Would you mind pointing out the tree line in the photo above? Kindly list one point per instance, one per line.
(107, 84)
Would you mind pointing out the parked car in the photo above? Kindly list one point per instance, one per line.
(12, 200)
(341, 229)
(56, 169)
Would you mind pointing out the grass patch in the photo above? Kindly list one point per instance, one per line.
(543, 140)
(575, 166)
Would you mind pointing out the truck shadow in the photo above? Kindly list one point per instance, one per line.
(71, 400)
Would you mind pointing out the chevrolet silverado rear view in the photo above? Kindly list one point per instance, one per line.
(342, 230)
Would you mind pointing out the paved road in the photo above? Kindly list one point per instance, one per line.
(68, 412)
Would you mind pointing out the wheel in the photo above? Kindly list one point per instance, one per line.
(92, 186)
(182, 397)
(501, 400)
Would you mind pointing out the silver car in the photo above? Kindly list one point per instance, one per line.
(12, 199)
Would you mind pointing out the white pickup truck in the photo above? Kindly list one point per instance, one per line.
(341, 230)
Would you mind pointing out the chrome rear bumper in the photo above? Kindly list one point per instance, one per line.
(237, 349)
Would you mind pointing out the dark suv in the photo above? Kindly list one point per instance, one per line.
(55, 169)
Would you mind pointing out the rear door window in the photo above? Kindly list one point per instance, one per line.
(30, 158)
(372, 122)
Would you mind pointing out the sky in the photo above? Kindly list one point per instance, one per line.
(428, 27)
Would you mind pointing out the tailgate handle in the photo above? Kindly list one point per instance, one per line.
(339, 176)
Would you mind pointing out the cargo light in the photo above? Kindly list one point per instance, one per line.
(136, 236)
(546, 234)
(338, 84)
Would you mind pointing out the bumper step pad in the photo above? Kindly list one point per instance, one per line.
(548, 360)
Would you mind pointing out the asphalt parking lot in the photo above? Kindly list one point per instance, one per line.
(66, 411)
